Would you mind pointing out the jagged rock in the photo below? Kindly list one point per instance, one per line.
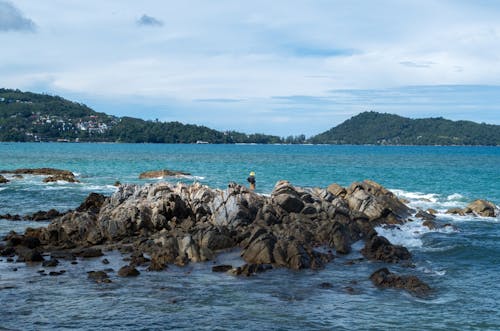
(44, 215)
(92, 203)
(3, 180)
(383, 278)
(375, 201)
(128, 271)
(482, 208)
(162, 174)
(337, 190)
(380, 249)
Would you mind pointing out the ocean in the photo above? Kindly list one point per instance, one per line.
(461, 262)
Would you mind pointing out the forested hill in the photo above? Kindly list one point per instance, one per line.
(388, 129)
(26, 116)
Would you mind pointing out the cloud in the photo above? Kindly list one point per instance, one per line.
(147, 20)
(412, 64)
(11, 19)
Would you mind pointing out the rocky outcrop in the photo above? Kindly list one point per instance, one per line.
(162, 174)
(380, 249)
(295, 228)
(53, 174)
(376, 202)
(383, 278)
(482, 208)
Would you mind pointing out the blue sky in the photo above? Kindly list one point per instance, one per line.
(278, 67)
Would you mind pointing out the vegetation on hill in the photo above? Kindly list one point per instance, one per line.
(26, 116)
(387, 129)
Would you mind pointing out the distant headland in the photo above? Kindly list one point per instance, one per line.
(33, 117)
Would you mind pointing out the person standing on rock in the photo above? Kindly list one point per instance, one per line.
(251, 180)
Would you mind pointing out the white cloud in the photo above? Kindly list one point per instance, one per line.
(248, 52)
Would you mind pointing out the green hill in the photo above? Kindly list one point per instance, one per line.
(26, 116)
(387, 129)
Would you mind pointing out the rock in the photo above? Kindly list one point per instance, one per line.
(162, 174)
(88, 252)
(430, 224)
(92, 203)
(376, 202)
(482, 208)
(128, 271)
(43, 215)
(336, 190)
(39, 171)
(105, 261)
(63, 178)
(55, 273)
(456, 211)
(326, 285)
(51, 263)
(432, 211)
(98, 276)
(28, 255)
(3, 180)
(221, 268)
(425, 215)
(250, 269)
(11, 217)
(380, 249)
(383, 278)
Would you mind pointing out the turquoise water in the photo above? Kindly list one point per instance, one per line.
(460, 263)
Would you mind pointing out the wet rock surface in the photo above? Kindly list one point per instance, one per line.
(161, 224)
(383, 278)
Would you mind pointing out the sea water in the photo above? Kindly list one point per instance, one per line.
(460, 261)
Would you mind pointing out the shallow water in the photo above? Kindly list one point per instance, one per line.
(460, 261)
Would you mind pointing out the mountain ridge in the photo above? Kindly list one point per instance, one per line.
(27, 116)
(373, 128)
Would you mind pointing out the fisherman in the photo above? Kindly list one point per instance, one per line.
(251, 180)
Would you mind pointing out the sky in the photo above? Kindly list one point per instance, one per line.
(277, 67)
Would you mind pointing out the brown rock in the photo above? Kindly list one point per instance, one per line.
(482, 208)
(380, 249)
(64, 178)
(3, 180)
(336, 190)
(456, 211)
(128, 271)
(162, 174)
(383, 278)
